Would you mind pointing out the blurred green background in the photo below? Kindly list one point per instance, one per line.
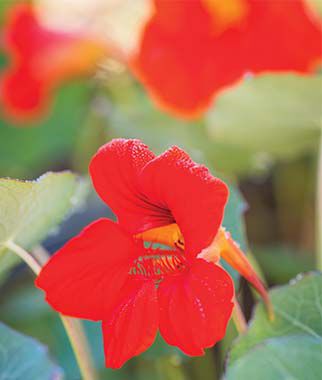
(262, 136)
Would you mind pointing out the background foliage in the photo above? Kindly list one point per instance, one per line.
(262, 137)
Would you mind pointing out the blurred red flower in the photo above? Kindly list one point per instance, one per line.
(109, 273)
(187, 53)
(190, 50)
(40, 59)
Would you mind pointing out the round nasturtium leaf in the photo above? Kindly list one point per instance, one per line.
(24, 358)
(290, 347)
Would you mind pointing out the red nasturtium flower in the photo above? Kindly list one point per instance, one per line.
(190, 50)
(114, 272)
(40, 59)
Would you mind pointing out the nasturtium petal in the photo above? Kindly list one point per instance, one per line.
(195, 198)
(195, 307)
(84, 277)
(40, 58)
(188, 49)
(132, 327)
(115, 171)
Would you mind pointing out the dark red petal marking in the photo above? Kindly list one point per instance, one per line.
(158, 263)
(195, 198)
(195, 307)
(115, 171)
(132, 326)
(84, 277)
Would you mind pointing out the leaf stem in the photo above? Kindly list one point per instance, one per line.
(239, 318)
(319, 208)
(73, 327)
(25, 256)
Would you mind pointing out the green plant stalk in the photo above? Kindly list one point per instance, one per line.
(162, 368)
(73, 327)
(80, 346)
(205, 367)
(319, 208)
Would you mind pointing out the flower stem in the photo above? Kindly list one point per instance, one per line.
(80, 346)
(319, 209)
(73, 327)
(239, 318)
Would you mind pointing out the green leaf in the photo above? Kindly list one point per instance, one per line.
(30, 209)
(290, 347)
(23, 358)
(296, 357)
(268, 117)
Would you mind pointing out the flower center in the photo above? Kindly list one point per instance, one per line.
(158, 263)
(169, 235)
